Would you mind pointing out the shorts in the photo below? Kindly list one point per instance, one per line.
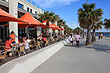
(44, 41)
(71, 41)
(13, 42)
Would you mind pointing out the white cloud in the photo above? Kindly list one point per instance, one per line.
(53, 3)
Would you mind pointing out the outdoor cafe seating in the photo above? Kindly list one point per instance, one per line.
(18, 50)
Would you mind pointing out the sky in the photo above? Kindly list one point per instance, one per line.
(68, 9)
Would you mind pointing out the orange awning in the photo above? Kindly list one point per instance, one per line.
(6, 17)
(30, 20)
(51, 26)
(56, 27)
(62, 28)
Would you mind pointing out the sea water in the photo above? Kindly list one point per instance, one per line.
(104, 34)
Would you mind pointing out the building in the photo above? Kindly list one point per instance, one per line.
(18, 8)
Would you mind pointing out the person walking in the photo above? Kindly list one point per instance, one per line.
(77, 39)
(99, 36)
(71, 39)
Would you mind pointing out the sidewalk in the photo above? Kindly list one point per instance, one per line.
(83, 59)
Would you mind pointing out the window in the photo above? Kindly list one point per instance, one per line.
(30, 10)
(20, 6)
(35, 13)
(27, 9)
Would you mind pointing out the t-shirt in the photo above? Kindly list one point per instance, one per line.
(71, 38)
(28, 40)
(44, 39)
(8, 45)
(13, 38)
(77, 37)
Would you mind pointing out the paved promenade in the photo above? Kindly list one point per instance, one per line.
(83, 59)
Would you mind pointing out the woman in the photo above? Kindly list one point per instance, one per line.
(40, 38)
(25, 42)
(71, 39)
(44, 39)
(77, 39)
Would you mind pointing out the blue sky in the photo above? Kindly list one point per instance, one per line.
(67, 9)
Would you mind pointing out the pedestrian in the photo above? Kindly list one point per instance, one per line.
(77, 39)
(99, 36)
(71, 39)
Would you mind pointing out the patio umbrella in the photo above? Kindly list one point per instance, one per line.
(62, 28)
(56, 26)
(51, 26)
(6, 17)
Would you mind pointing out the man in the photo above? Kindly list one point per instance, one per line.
(8, 45)
(77, 39)
(12, 37)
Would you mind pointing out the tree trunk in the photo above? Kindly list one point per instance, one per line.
(88, 42)
(83, 32)
(93, 35)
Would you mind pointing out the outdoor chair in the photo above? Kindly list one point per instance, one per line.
(27, 50)
(21, 50)
(41, 43)
(30, 46)
(53, 40)
(37, 46)
(47, 43)
(56, 39)
(3, 56)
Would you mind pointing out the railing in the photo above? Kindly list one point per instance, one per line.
(35, 4)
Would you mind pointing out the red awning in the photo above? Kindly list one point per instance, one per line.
(56, 27)
(62, 28)
(31, 21)
(6, 17)
(51, 26)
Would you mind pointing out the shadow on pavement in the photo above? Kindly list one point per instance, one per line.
(74, 45)
(98, 47)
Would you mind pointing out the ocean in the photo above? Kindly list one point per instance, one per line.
(105, 34)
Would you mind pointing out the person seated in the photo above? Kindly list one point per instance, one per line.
(25, 42)
(12, 37)
(40, 38)
(55, 36)
(44, 39)
(8, 45)
(28, 40)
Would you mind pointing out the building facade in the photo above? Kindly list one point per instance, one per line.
(18, 8)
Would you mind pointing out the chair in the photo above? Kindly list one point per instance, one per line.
(21, 50)
(3, 56)
(38, 45)
(53, 40)
(41, 43)
(56, 39)
(30, 46)
(47, 43)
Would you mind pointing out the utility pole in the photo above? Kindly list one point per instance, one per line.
(87, 1)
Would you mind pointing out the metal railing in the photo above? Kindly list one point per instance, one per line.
(35, 4)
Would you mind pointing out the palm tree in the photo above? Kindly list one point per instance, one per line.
(97, 16)
(107, 23)
(78, 30)
(96, 27)
(86, 13)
